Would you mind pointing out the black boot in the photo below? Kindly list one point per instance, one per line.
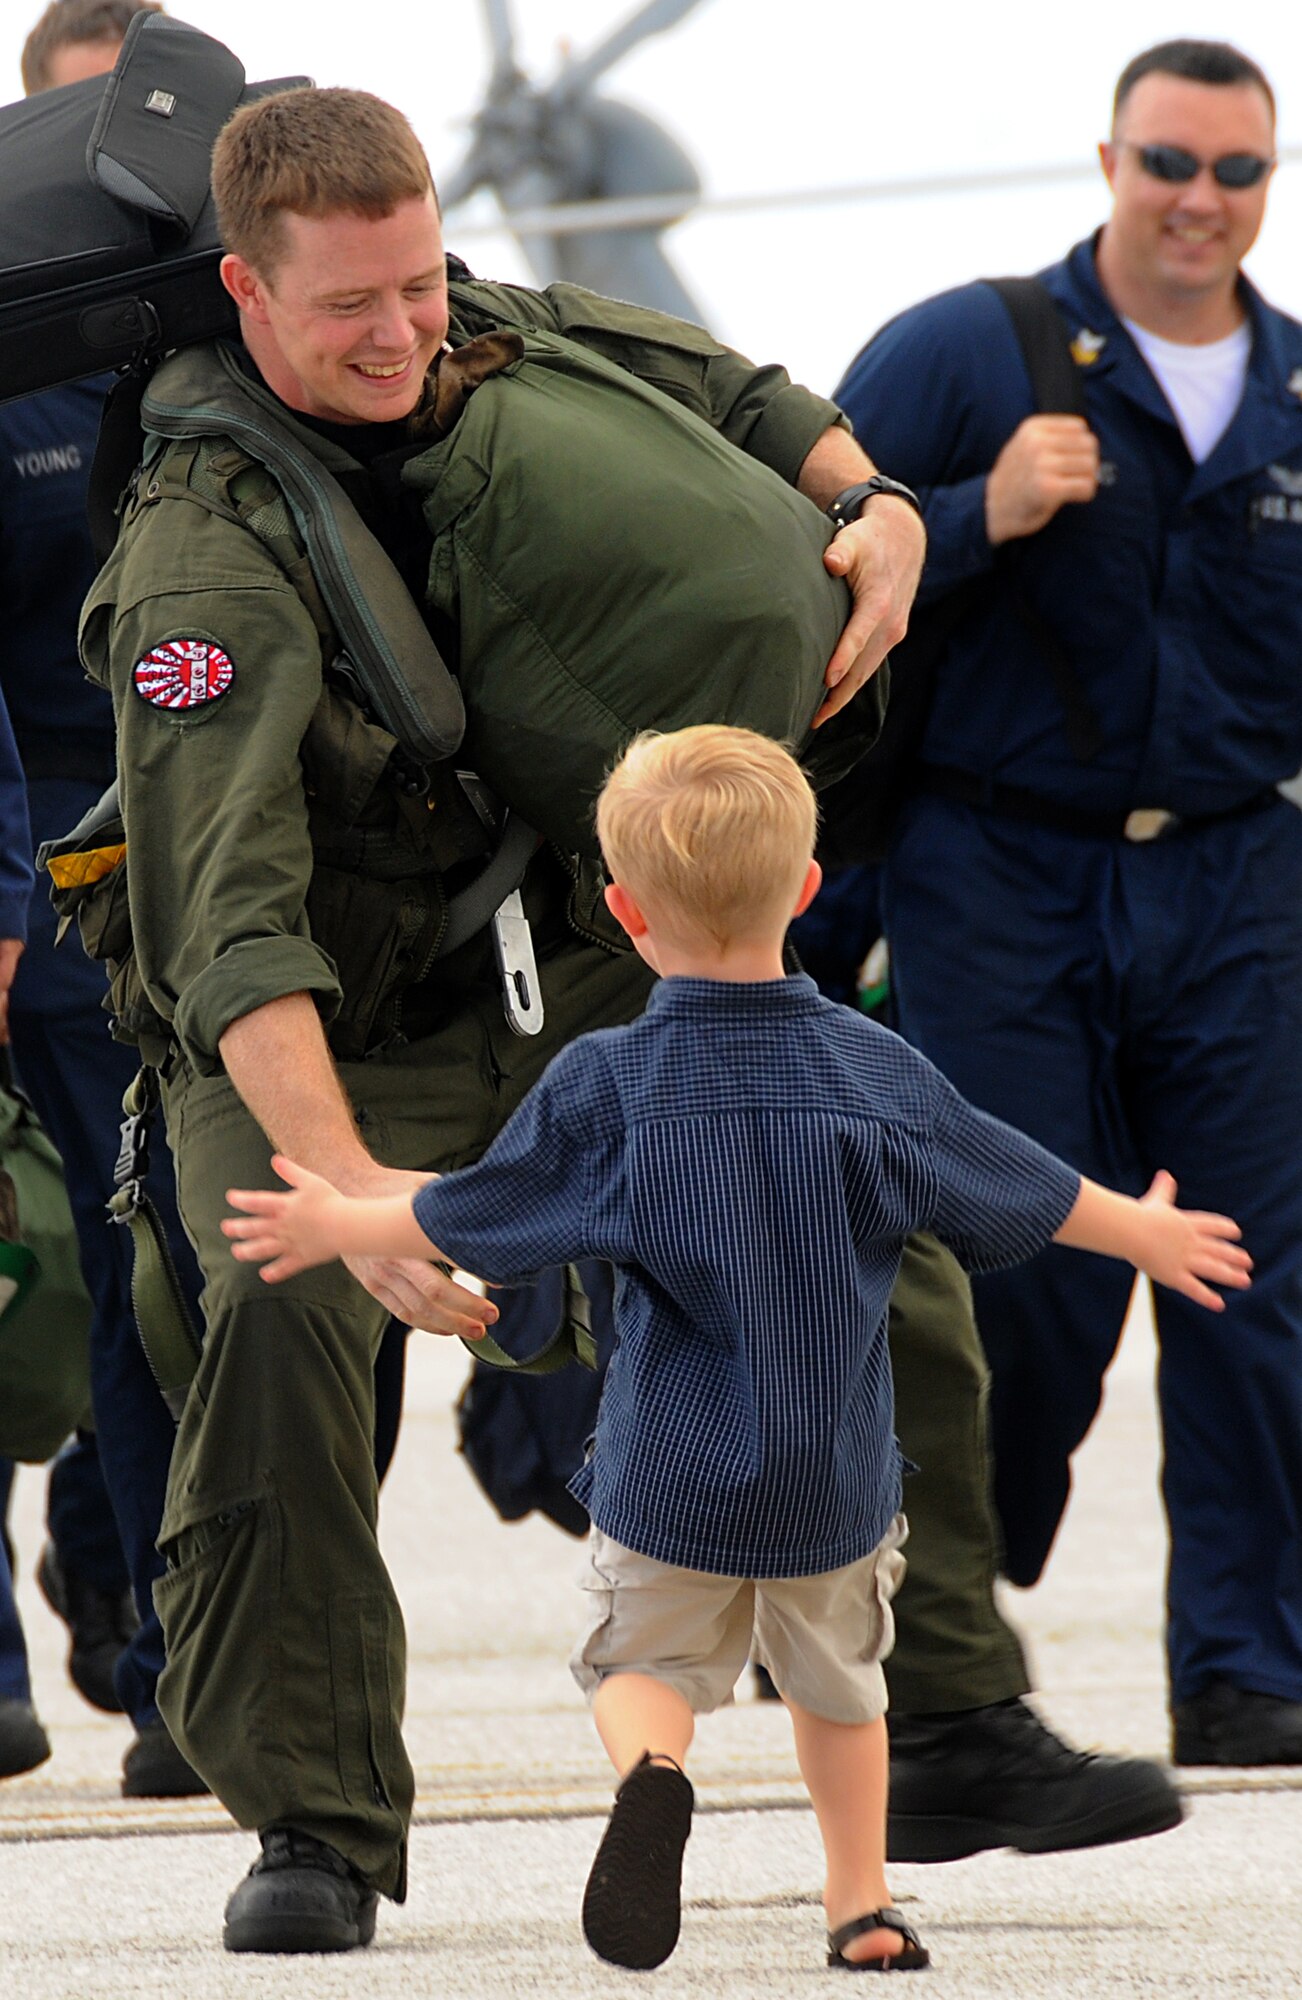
(100, 1622)
(23, 1742)
(1231, 1725)
(996, 1777)
(300, 1895)
(153, 1767)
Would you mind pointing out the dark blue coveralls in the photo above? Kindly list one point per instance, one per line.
(15, 895)
(1131, 1004)
(74, 1073)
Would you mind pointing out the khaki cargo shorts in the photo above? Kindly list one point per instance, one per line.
(823, 1638)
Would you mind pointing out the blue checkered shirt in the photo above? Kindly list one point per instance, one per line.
(751, 1159)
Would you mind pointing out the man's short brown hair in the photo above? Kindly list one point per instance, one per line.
(311, 152)
(1216, 63)
(710, 829)
(66, 22)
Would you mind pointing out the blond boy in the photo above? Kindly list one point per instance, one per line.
(751, 1157)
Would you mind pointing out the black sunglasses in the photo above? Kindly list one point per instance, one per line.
(1172, 163)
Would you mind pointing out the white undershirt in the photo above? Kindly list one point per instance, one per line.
(1203, 385)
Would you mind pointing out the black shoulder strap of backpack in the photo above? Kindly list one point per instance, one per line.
(1056, 387)
(118, 450)
(858, 814)
(1042, 337)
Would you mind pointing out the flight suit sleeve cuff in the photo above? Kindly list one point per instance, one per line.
(245, 977)
(789, 426)
(13, 913)
(958, 546)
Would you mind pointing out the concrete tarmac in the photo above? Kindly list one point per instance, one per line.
(104, 1896)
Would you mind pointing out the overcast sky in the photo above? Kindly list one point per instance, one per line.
(770, 97)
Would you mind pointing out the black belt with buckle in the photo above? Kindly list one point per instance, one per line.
(1140, 824)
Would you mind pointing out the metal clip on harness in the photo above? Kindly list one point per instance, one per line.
(167, 1333)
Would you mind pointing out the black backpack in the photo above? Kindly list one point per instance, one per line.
(109, 251)
(858, 814)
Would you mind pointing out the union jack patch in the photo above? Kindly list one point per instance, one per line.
(183, 673)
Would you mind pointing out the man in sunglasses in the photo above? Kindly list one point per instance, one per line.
(1094, 902)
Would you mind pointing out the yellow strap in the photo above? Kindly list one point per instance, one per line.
(79, 871)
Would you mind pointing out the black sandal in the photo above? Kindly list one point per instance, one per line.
(632, 1904)
(912, 1959)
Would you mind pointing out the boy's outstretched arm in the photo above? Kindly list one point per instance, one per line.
(1184, 1248)
(313, 1224)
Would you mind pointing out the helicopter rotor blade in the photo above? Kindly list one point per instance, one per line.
(501, 35)
(483, 157)
(510, 92)
(650, 19)
(461, 183)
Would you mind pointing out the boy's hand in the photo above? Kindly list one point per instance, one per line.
(286, 1233)
(1181, 1247)
(375, 1234)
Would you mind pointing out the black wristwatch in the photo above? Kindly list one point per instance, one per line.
(847, 505)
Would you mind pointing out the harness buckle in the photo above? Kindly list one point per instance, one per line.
(131, 1166)
(513, 950)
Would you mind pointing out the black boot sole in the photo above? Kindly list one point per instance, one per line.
(279, 1931)
(931, 1837)
(1241, 1755)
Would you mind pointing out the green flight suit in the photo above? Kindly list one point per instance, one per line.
(286, 1660)
(270, 850)
(953, 1649)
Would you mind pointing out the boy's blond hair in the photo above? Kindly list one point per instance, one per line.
(311, 152)
(709, 829)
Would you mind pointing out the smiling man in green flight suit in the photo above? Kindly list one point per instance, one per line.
(288, 887)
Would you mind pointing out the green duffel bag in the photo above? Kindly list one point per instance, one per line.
(603, 561)
(44, 1307)
(611, 563)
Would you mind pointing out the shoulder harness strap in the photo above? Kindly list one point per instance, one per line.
(1056, 386)
(387, 643)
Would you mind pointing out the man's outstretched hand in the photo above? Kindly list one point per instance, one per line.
(423, 1295)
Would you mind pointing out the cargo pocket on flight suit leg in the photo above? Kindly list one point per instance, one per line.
(219, 1690)
(367, 1676)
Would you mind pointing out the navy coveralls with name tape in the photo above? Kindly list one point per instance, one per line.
(73, 1071)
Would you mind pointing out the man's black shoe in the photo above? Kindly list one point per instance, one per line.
(100, 1623)
(1231, 1725)
(153, 1768)
(996, 1777)
(23, 1742)
(300, 1895)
